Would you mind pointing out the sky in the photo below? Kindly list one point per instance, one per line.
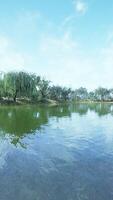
(69, 42)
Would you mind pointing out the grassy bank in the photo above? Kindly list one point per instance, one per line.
(26, 101)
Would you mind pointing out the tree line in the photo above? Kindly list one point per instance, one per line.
(15, 85)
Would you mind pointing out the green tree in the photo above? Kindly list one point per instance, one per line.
(66, 93)
(81, 93)
(43, 88)
(18, 84)
(91, 96)
(102, 94)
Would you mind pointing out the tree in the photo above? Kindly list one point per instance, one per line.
(43, 87)
(25, 85)
(111, 94)
(55, 93)
(66, 92)
(18, 84)
(91, 96)
(60, 93)
(102, 93)
(81, 93)
(1, 84)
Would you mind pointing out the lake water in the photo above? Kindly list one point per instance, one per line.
(56, 153)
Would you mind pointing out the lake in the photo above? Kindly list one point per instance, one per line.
(56, 153)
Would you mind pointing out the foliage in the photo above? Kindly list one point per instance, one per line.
(14, 85)
(60, 93)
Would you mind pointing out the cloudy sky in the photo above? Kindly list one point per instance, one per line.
(69, 42)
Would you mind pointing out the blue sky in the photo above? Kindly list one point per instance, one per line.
(69, 42)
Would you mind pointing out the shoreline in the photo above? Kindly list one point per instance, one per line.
(48, 102)
(27, 102)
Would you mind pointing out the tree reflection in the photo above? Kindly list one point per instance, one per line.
(19, 121)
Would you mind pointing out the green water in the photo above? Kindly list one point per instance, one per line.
(56, 153)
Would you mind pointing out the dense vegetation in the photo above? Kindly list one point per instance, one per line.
(21, 85)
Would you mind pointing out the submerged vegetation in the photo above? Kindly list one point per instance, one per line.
(25, 87)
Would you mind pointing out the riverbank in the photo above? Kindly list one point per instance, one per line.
(26, 101)
(90, 102)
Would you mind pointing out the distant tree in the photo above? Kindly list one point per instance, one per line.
(43, 87)
(111, 94)
(55, 93)
(91, 96)
(82, 93)
(22, 84)
(60, 93)
(102, 93)
(66, 92)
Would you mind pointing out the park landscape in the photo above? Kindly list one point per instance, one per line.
(56, 100)
(31, 88)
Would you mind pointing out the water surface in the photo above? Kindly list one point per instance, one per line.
(56, 153)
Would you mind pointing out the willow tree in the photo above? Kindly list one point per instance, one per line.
(1, 88)
(19, 84)
(43, 88)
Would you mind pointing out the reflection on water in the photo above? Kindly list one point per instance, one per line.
(56, 153)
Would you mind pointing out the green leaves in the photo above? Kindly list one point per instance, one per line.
(19, 84)
(15, 85)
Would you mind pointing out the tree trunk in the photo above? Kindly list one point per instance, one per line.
(14, 98)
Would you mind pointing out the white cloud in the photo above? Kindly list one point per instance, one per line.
(4, 149)
(80, 6)
(61, 60)
(58, 56)
(67, 20)
(10, 59)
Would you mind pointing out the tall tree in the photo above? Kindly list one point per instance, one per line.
(43, 87)
(18, 84)
(101, 93)
(82, 93)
